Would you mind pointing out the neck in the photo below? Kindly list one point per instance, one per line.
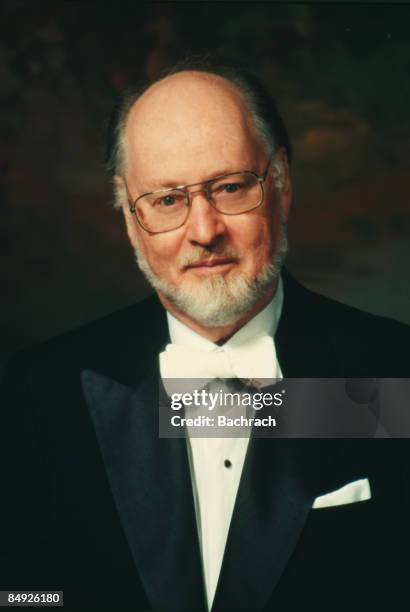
(218, 335)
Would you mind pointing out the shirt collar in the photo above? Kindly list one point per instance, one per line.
(264, 323)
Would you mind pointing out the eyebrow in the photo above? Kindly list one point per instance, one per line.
(162, 184)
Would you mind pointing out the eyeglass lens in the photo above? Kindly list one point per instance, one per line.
(166, 210)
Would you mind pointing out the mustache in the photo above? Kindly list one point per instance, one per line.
(204, 254)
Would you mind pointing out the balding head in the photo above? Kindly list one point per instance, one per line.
(259, 105)
(187, 115)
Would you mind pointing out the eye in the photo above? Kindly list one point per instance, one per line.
(168, 200)
(231, 187)
(226, 189)
(235, 185)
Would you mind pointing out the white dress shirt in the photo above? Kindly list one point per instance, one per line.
(216, 463)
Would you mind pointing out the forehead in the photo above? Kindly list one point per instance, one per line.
(188, 126)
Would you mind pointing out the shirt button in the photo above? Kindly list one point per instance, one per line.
(227, 463)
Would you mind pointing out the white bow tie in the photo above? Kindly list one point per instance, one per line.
(251, 361)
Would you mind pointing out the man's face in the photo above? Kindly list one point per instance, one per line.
(187, 129)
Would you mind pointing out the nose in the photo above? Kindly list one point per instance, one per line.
(205, 225)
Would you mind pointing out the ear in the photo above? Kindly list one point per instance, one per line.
(120, 193)
(121, 201)
(285, 191)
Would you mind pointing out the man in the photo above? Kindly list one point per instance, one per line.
(97, 504)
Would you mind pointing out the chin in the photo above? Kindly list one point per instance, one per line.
(220, 299)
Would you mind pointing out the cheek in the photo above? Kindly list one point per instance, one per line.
(160, 251)
(252, 240)
(255, 239)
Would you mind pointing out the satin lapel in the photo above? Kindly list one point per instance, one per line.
(151, 485)
(274, 499)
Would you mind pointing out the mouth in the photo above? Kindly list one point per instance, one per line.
(218, 264)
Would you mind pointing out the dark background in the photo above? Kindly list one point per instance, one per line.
(341, 76)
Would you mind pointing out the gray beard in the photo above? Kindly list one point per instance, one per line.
(218, 301)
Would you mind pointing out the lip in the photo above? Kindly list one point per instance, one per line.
(211, 264)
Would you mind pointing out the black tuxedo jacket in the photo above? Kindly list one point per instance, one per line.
(95, 504)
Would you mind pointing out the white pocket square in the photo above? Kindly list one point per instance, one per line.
(353, 492)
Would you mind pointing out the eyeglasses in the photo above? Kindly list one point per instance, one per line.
(168, 209)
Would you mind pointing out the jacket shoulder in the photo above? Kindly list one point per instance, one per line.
(133, 333)
(364, 339)
(344, 318)
(357, 341)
